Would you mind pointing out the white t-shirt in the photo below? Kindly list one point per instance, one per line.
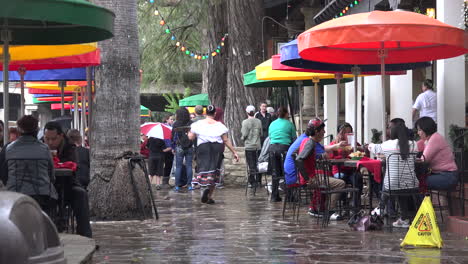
(208, 132)
(426, 104)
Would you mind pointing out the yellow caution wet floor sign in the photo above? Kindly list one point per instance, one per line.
(424, 232)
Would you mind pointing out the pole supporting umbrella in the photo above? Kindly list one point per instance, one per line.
(382, 53)
(300, 86)
(338, 77)
(6, 38)
(316, 81)
(356, 72)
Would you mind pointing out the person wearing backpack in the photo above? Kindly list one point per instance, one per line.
(183, 148)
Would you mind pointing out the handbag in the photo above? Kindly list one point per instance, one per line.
(360, 221)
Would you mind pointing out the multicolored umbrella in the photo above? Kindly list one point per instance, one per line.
(38, 22)
(381, 37)
(156, 130)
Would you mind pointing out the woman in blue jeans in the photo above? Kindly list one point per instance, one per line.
(183, 149)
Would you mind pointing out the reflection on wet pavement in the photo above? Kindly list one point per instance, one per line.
(240, 229)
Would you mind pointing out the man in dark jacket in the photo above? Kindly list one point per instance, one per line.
(56, 140)
(82, 155)
(265, 117)
(27, 167)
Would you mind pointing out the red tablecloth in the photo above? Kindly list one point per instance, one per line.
(65, 165)
(374, 167)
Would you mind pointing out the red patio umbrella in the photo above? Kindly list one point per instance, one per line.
(382, 37)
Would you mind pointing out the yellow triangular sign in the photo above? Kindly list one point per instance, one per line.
(424, 232)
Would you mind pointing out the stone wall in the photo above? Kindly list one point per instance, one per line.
(235, 173)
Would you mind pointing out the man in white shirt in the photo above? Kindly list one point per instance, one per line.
(426, 102)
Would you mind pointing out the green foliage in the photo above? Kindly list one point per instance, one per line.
(161, 60)
(376, 136)
(173, 100)
(456, 134)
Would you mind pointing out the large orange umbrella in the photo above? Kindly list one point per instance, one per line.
(382, 37)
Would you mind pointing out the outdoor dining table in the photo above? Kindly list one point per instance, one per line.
(354, 164)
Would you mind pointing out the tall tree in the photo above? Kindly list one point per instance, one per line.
(244, 20)
(115, 122)
(215, 68)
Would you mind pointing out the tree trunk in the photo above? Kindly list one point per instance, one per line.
(215, 68)
(245, 29)
(115, 122)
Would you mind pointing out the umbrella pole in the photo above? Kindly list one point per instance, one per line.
(62, 99)
(291, 108)
(316, 80)
(338, 77)
(75, 111)
(301, 99)
(6, 37)
(22, 72)
(83, 115)
(382, 54)
(356, 71)
(89, 98)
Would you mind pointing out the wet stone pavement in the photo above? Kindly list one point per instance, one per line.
(247, 229)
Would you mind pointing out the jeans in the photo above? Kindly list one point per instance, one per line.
(444, 180)
(251, 157)
(182, 154)
(277, 153)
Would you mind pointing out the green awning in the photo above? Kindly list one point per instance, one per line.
(198, 99)
(250, 80)
(54, 22)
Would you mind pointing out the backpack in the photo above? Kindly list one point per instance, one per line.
(182, 139)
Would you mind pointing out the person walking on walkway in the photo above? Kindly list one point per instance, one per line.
(282, 134)
(251, 132)
(210, 135)
(183, 149)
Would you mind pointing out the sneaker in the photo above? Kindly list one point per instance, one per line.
(401, 223)
(210, 201)
(314, 213)
(336, 217)
(376, 211)
(220, 186)
(190, 188)
(176, 189)
(158, 187)
(276, 199)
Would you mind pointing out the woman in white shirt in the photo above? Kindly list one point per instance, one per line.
(399, 174)
(210, 135)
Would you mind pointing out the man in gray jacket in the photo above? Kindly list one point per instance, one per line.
(251, 134)
(26, 165)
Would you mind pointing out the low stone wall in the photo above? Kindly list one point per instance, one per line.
(235, 172)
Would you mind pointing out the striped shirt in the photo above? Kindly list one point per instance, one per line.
(401, 172)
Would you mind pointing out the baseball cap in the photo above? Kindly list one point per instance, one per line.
(316, 123)
(250, 108)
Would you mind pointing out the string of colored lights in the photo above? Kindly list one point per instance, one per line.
(346, 9)
(184, 48)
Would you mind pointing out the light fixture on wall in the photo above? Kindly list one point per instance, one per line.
(430, 12)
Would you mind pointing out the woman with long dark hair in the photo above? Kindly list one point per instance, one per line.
(399, 174)
(183, 149)
(211, 135)
(282, 133)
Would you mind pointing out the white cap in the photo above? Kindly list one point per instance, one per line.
(250, 108)
(270, 109)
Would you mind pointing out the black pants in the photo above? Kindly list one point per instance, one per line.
(251, 157)
(168, 161)
(277, 152)
(80, 205)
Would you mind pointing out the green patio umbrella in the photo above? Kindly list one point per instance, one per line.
(144, 111)
(46, 22)
(198, 99)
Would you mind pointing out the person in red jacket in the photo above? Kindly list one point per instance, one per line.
(306, 165)
(144, 151)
